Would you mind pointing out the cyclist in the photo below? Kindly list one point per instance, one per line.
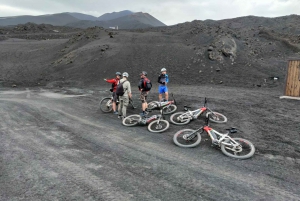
(115, 81)
(144, 89)
(163, 80)
(124, 99)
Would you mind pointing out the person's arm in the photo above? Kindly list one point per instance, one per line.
(141, 84)
(129, 90)
(167, 78)
(110, 81)
(159, 79)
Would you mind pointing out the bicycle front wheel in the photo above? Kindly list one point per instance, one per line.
(106, 105)
(132, 120)
(187, 138)
(245, 149)
(158, 126)
(216, 117)
(180, 118)
(169, 109)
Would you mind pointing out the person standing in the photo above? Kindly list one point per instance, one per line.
(124, 99)
(144, 87)
(163, 80)
(115, 81)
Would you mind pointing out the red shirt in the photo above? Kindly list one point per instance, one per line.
(114, 81)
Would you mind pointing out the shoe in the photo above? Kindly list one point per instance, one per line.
(119, 116)
(115, 112)
(142, 114)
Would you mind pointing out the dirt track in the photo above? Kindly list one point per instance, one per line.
(56, 145)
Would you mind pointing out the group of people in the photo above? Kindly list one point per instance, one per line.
(144, 87)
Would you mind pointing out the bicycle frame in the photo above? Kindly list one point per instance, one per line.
(217, 137)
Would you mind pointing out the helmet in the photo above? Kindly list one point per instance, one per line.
(125, 74)
(163, 69)
(118, 73)
(144, 73)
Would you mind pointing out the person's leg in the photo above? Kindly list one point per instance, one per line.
(166, 93)
(114, 105)
(125, 104)
(120, 107)
(159, 93)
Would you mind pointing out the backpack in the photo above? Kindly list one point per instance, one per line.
(147, 84)
(120, 89)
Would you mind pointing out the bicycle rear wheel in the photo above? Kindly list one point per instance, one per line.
(216, 117)
(132, 120)
(106, 105)
(152, 105)
(244, 151)
(180, 118)
(158, 127)
(187, 138)
(169, 109)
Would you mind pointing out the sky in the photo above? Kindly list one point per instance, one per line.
(169, 12)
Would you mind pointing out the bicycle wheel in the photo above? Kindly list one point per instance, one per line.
(131, 120)
(152, 105)
(180, 118)
(244, 151)
(169, 109)
(158, 127)
(184, 139)
(216, 117)
(106, 105)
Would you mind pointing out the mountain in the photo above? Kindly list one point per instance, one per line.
(123, 19)
(114, 15)
(81, 16)
(133, 21)
(59, 19)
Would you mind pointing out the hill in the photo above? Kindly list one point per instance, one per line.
(123, 19)
(241, 52)
(132, 21)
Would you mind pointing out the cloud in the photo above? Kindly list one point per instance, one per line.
(168, 11)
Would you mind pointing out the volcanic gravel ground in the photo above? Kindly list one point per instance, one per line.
(57, 145)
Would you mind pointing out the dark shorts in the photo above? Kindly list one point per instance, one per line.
(115, 97)
(143, 96)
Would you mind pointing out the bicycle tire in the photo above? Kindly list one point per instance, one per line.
(158, 128)
(216, 117)
(179, 138)
(106, 105)
(244, 143)
(169, 109)
(152, 105)
(175, 121)
(132, 120)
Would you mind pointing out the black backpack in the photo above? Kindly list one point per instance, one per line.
(120, 89)
(147, 84)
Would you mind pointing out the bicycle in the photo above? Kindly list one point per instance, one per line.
(168, 106)
(233, 147)
(182, 118)
(157, 123)
(106, 104)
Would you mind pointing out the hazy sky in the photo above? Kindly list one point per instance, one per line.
(168, 11)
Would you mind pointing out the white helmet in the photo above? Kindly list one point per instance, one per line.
(125, 74)
(163, 69)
